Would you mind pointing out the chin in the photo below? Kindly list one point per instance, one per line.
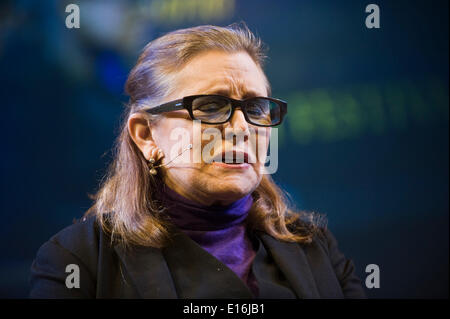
(232, 188)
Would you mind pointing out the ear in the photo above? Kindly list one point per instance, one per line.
(140, 132)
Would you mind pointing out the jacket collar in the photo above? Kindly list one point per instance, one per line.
(185, 270)
(291, 260)
(148, 271)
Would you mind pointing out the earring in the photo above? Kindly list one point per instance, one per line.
(152, 169)
(152, 161)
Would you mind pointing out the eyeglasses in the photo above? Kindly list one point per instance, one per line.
(218, 109)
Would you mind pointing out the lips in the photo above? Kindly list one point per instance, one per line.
(232, 157)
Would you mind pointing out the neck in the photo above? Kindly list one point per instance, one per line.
(188, 214)
(201, 198)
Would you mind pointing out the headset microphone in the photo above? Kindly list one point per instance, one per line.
(184, 150)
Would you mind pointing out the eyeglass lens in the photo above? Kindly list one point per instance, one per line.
(216, 109)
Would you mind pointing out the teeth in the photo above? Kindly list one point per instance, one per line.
(235, 162)
(232, 158)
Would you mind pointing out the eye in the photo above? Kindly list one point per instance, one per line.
(209, 104)
(209, 107)
(258, 108)
(255, 110)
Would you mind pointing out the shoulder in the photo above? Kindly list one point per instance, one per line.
(314, 228)
(79, 238)
(316, 234)
(325, 238)
(323, 241)
(325, 245)
(79, 246)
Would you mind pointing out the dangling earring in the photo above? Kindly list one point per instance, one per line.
(151, 163)
(152, 169)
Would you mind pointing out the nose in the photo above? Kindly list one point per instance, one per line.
(238, 123)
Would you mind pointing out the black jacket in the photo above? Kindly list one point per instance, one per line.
(181, 270)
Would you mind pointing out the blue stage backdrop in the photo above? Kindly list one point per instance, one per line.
(365, 141)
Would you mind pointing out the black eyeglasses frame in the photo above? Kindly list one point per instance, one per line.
(186, 103)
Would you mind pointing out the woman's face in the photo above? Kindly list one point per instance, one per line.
(214, 72)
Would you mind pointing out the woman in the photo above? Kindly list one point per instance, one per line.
(205, 227)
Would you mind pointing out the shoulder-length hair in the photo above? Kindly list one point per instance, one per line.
(125, 203)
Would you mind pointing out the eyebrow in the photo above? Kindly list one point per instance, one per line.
(226, 92)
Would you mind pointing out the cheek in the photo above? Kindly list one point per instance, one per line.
(171, 133)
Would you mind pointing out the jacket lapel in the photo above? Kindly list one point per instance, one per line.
(148, 271)
(198, 274)
(293, 263)
(185, 270)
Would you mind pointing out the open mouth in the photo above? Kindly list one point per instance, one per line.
(232, 158)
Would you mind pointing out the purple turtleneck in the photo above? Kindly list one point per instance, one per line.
(220, 230)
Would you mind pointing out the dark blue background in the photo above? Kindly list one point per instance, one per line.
(382, 180)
